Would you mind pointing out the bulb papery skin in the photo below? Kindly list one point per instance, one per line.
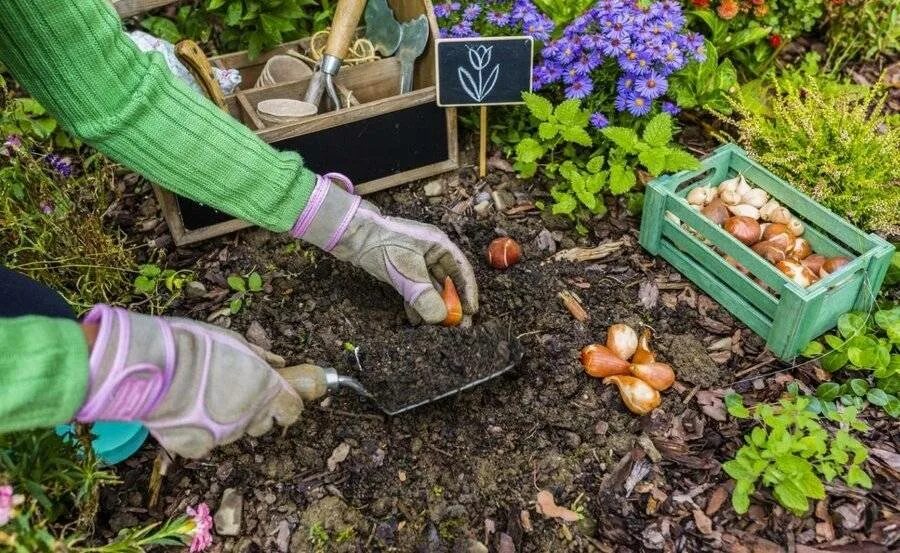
(637, 395)
(622, 340)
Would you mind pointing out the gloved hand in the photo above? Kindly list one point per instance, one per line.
(193, 385)
(409, 256)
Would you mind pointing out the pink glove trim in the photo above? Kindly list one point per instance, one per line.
(409, 289)
(342, 228)
(128, 392)
(316, 199)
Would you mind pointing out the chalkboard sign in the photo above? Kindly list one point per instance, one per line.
(483, 71)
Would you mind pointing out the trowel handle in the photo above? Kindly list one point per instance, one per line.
(346, 18)
(311, 382)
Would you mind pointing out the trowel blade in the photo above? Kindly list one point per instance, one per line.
(382, 28)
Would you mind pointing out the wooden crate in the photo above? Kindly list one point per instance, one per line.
(786, 315)
(388, 140)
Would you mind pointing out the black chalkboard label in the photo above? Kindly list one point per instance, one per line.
(483, 71)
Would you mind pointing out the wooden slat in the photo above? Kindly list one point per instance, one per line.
(704, 255)
(798, 311)
(127, 8)
(709, 283)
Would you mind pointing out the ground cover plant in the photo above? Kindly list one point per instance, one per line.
(744, 453)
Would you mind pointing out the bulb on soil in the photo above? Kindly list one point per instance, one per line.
(451, 301)
(503, 253)
(600, 362)
(638, 396)
(622, 340)
(658, 375)
(643, 353)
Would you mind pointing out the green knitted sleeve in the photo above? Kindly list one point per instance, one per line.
(73, 57)
(43, 372)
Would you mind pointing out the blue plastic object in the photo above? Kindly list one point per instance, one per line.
(113, 441)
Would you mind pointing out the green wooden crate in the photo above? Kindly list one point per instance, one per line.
(786, 315)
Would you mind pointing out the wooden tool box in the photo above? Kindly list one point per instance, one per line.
(387, 140)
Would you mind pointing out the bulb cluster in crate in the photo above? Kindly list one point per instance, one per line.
(766, 226)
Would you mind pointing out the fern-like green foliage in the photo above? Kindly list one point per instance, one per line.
(862, 29)
(839, 149)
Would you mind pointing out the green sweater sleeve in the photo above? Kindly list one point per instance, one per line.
(43, 372)
(73, 57)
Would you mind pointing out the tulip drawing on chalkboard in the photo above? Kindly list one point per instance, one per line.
(479, 58)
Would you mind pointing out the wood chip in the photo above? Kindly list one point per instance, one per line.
(890, 458)
(589, 254)
(525, 519)
(716, 500)
(546, 505)
(703, 522)
(338, 456)
(574, 306)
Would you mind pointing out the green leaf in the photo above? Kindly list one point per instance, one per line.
(813, 349)
(859, 386)
(568, 113)
(595, 164)
(635, 203)
(254, 282)
(862, 351)
(144, 285)
(162, 27)
(235, 306)
(234, 13)
(828, 391)
(856, 476)
(658, 132)
(851, 324)
(893, 408)
(745, 37)
(735, 405)
(214, 4)
(654, 159)
(623, 137)
(679, 160)
(237, 283)
(834, 342)
(878, 397)
(539, 106)
(548, 131)
(726, 77)
(529, 150)
(621, 178)
(565, 204)
(790, 495)
(834, 360)
(596, 182)
(577, 135)
(525, 169)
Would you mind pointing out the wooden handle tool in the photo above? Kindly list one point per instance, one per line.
(346, 18)
(190, 54)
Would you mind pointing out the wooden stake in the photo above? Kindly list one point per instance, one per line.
(482, 168)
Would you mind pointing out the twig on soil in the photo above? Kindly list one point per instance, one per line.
(690, 395)
(589, 254)
(342, 413)
(573, 304)
(439, 450)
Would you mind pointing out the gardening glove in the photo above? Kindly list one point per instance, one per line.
(193, 385)
(408, 255)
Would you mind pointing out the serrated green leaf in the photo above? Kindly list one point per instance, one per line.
(237, 283)
(893, 408)
(548, 131)
(790, 495)
(540, 107)
(862, 351)
(525, 170)
(740, 501)
(654, 159)
(726, 77)
(623, 137)
(658, 132)
(529, 150)
(856, 476)
(621, 179)
(595, 164)
(567, 113)
(144, 285)
(214, 4)
(577, 135)
(735, 405)
(565, 204)
(596, 182)
(679, 160)
(234, 13)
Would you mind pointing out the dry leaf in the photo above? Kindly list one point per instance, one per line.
(716, 500)
(338, 456)
(547, 506)
(574, 305)
(525, 519)
(824, 531)
(704, 524)
(506, 544)
(890, 458)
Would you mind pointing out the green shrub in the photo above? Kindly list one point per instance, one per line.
(839, 149)
(862, 29)
(792, 450)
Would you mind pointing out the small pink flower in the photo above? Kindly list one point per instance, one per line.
(8, 503)
(202, 527)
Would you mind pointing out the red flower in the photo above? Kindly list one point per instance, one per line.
(701, 3)
(775, 41)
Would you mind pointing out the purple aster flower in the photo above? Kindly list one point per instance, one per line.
(638, 105)
(499, 19)
(673, 59)
(670, 108)
(441, 10)
(463, 29)
(471, 12)
(616, 46)
(62, 165)
(651, 86)
(568, 51)
(47, 207)
(579, 88)
(599, 121)
(622, 101)
(586, 64)
(625, 84)
(635, 62)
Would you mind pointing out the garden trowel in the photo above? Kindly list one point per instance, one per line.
(406, 41)
(313, 382)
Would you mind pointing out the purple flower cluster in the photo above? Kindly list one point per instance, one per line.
(646, 42)
(62, 165)
(478, 18)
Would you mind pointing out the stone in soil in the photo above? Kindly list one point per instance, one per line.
(228, 516)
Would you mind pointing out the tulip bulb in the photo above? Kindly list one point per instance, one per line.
(766, 210)
(744, 210)
(757, 197)
(643, 354)
(734, 263)
(730, 197)
(600, 362)
(622, 340)
(814, 263)
(770, 250)
(451, 301)
(833, 265)
(730, 185)
(800, 249)
(781, 215)
(701, 196)
(638, 396)
(716, 211)
(658, 375)
(742, 185)
(796, 226)
(796, 272)
(772, 229)
(744, 229)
